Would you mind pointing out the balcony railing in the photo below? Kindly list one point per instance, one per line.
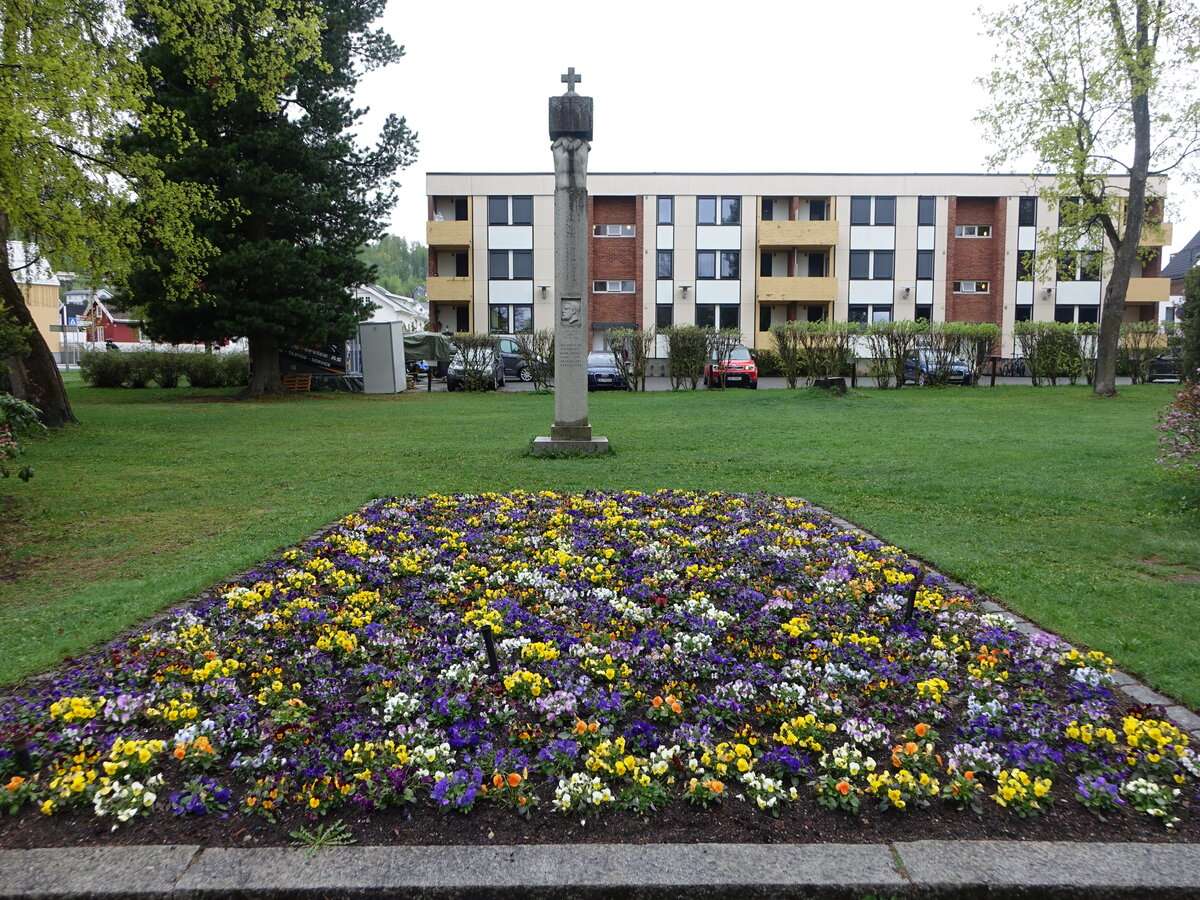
(1148, 290)
(798, 234)
(448, 288)
(1157, 234)
(448, 234)
(797, 289)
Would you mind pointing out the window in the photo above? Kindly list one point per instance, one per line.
(1070, 211)
(1071, 314)
(730, 209)
(613, 287)
(885, 210)
(863, 313)
(974, 231)
(510, 265)
(717, 315)
(1025, 265)
(666, 210)
(666, 264)
(1024, 312)
(878, 265)
(1027, 211)
(768, 209)
(664, 315)
(926, 210)
(613, 231)
(924, 311)
(818, 210)
(1085, 265)
(766, 265)
(510, 319)
(970, 287)
(510, 210)
(818, 265)
(764, 318)
(924, 265)
(718, 264)
(860, 210)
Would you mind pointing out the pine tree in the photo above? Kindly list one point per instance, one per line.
(299, 197)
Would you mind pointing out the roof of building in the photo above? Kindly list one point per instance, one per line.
(28, 266)
(1184, 259)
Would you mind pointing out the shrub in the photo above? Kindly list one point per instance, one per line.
(1179, 431)
(720, 346)
(104, 368)
(687, 351)
(1054, 350)
(169, 367)
(204, 370)
(141, 368)
(768, 364)
(1189, 323)
(478, 353)
(787, 351)
(16, 418)
(235, 369)
(638, 346)
(537, 356)
(1139, 343)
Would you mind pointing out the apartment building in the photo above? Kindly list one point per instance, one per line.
(752, 250)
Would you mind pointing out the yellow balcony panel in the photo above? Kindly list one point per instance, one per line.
(1157, 235)
(775, 290)
(448, 288)
(797, 234)
(448, 234)
(1148, 290)
(763, 340)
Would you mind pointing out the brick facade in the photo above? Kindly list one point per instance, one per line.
(976, 259)
(615, 259)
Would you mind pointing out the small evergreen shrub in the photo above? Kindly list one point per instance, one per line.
(104, 368)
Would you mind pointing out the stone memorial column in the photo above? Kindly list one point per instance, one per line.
(571, 133)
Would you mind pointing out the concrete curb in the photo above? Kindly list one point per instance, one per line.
(916, 869)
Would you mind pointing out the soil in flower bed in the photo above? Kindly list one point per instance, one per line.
(655, 652)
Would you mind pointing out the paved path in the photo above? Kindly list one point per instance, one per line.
(914, 869)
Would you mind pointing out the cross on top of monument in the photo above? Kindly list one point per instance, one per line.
(571, 79)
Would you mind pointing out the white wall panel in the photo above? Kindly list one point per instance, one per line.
(510, 291)
(1026, 237)
(666, 237)
(924, 291)
(719, 237)
(872, 237)
(727, 291)
(872, 291)
(1072, 292)
(925, 237)
(1024, 291)
(510, 237)
(664, 291)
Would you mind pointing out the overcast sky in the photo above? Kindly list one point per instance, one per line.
(750, 86)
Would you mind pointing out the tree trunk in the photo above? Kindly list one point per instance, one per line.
(1139, 66)
(265, 377)
(35, 377)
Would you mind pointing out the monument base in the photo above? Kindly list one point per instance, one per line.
(547, 445)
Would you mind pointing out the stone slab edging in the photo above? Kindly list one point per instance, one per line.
(990, 869)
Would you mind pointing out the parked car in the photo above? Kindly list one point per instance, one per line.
(514, 363)
(492, 364)
(928, 367)
(738, 368)
(603, 372)
(1165, 367)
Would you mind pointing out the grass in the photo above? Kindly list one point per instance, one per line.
(1048, 499)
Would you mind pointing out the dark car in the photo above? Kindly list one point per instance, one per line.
(482, 360)
(928, 367)
(604, 374)
(738, 369)
(1165, 367)
(514, 363)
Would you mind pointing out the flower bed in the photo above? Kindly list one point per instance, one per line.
(650, 650)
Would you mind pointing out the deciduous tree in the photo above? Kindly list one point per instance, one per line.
(70, 84)
(1088, 90)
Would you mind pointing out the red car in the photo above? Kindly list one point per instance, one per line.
(738, 368)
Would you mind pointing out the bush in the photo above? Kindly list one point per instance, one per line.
(1055, 350)
(478, 352)
(636, 346)
(235, 369)
(687, 351)
(1179, 431)
(16, 418)
(169, 367)
(204, 370)
(142, 365)
(768, 364)
(104, 368)
(1139, 343)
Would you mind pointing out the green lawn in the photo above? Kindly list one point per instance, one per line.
(1048, 499)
